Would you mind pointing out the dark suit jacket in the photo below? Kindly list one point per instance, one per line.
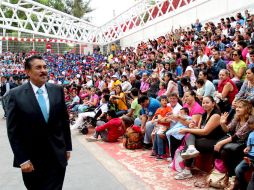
(31, 138)
(3, 87)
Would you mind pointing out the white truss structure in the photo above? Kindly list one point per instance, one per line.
(30, 17)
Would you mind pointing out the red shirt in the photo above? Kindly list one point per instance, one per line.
(231, 95)
(114, 127)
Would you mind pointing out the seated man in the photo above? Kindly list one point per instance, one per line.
(135, 107)
(149, 107)
(100, 112)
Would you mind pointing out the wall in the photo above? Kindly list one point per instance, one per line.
(202, 9)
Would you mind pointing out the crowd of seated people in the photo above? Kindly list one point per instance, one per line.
(194, 85)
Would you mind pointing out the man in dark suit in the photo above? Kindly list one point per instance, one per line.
(38, 129)
(5, 87)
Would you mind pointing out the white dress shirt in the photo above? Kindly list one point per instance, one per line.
(45, 94)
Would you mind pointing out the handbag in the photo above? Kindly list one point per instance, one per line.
(132, 138)
(178, 162)
(217, 179)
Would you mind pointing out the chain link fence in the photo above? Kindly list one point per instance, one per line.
(40, 47)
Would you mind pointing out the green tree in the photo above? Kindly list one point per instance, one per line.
(77, 8)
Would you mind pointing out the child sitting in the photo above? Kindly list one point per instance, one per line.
(162, 89)
(246, 163)
(200, 88)
(162, 124)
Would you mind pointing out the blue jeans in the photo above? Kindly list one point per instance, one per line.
(148, 131)
(82, 108)
(75, 108)
(240, 171)
(159, 145)
(121, 112)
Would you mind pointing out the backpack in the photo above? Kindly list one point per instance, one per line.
(178, 162)
(132, 138)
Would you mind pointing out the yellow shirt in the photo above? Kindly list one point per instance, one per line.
(238, 66)
(121, 102)
(115, 83)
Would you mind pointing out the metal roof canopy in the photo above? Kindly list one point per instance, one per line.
(51, 23)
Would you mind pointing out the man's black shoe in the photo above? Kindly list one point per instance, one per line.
(147, 146)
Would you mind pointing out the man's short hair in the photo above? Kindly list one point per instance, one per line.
(163, 97)
(142, 99)
(28, 61)
(112, 113)
(134, 92)
(106, 97)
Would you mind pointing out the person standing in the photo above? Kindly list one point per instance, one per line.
(38, 129)
(5, 88)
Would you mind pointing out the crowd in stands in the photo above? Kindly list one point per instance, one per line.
(193, 85)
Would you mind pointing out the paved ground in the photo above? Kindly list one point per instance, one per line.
(86, 169)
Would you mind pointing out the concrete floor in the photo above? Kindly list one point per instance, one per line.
(85, 171)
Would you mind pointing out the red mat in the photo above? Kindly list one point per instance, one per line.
(151, 171)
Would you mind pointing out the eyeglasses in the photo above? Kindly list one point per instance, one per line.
(235, 54)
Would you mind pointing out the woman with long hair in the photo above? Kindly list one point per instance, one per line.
(201, 137)
(171, 84)
(238, 67)
(119, 99)
(231, 147)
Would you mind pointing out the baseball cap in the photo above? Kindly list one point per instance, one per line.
(228, 46)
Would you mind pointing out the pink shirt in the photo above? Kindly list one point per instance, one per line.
(161, 92)
(196, 109)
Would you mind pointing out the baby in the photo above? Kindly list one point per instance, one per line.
(180, 118)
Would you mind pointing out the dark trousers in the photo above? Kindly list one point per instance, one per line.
(4, 105)
(232, 154)
(47, 178)
(203, 145)
(174, 144)
(251, 183)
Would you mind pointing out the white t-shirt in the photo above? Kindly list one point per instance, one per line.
(176, 109)
(126, 86)
(203, 59)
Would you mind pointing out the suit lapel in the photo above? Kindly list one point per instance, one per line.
(32, 99)
(51, 100)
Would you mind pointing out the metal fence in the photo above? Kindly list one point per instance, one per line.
(40, 47)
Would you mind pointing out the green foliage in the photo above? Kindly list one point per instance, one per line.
(78, 8)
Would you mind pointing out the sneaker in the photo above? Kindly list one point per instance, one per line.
(183, 175)
(161, 157)
(170, 165)
(153, 154)
(190, 153)
(169, 159)
(91, 139)
(147, 146)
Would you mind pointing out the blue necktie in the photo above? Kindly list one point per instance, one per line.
(42, 104)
